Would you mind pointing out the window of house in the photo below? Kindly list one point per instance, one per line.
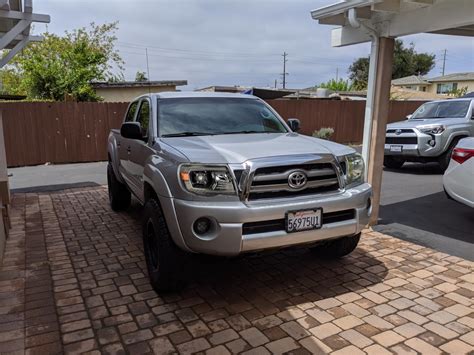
(445, 88)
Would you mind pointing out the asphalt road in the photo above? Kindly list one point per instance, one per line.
(413, 207)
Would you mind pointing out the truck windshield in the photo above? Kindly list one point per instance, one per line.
(213, 116)
(442, 109)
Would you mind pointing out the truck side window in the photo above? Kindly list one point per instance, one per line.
(144, 117)
(131, 112)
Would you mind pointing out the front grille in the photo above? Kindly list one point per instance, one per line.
(401, 140)
(272, 182)
(404, 130)
(279, 224)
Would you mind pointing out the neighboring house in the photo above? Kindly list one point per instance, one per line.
(412, 82)
(126, 91)
(446, 83)
(217, 88)
(439, 85)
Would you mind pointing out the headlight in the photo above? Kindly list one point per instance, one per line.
(433, 129)
(207, 179)
(354, 170)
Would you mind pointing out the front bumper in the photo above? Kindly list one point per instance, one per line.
(420, 147)
(228, 218)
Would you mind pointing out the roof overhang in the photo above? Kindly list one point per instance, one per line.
(395, 18)
(16, 17)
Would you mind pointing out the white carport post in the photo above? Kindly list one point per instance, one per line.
(381, 21)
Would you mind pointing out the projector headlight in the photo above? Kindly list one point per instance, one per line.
(207, 179)
(355, 168)
(433, 129)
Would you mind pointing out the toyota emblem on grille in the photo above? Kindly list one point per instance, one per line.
(297, 180)
(398, 132)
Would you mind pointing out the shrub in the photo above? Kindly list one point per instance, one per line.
(324, 133)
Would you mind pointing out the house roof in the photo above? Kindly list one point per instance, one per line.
(410, 80)
(468, 76)
(139, 84)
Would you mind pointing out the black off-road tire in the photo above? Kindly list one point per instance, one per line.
(166, 263)
(393, 162)
(119, 195)
(445, 158)
(337, 248)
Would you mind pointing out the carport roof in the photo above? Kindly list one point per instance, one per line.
(394, 18)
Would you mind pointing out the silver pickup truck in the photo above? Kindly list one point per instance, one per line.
(430, 134)
(223, 174)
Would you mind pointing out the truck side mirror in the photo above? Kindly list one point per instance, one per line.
(294, 124)
(131, 130)
(409, 116)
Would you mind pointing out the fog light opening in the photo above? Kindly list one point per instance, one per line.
(432, 142)
(202, 225)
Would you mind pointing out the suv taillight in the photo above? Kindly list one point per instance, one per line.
(461, 154)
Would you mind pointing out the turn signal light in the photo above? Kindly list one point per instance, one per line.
(461, 154)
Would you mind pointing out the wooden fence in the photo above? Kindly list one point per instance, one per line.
(70, 132)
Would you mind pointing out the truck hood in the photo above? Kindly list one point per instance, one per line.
(426, 122)
(238, 148)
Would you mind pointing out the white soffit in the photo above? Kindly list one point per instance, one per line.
(395, 18)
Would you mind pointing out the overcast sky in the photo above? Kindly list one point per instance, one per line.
(223, 42)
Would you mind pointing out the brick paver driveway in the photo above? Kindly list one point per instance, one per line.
(74, 280)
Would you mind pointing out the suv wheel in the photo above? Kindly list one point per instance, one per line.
(393, 162)
(445, 158)
(119, 195)
(337, 248)
(164, 260)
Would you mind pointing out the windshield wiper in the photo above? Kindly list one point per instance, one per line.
(187, 134)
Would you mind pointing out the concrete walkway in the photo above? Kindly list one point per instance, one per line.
(74, 280)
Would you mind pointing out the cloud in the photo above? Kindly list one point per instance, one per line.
(223, 42)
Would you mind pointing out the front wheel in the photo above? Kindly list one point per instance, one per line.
(337, 248)
(393, 162)
(445, 158)
(164, 260)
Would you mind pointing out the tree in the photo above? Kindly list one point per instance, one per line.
(60, 67)
(406, 62)
(140, 76)
(337, 85)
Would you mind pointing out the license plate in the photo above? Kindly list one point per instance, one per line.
(396, 148)
(297, 221)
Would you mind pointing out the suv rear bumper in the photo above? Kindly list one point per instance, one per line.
(229, 237)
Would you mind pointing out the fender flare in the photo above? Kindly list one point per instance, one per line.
(453, 136)
(155, 179)
(114, 160)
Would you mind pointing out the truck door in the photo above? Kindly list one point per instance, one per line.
(139, 150)
(123, 143)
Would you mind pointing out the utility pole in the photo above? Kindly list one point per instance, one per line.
(147, 65)
(444, 61)
(284, 74)
(337, 74)
(276, 83)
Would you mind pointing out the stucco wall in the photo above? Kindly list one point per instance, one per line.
(116, 94)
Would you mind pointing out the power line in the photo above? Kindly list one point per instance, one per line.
(284, 74)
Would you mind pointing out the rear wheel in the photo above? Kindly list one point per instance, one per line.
(164, 260)
(393, 162)
(119, 195)
(337, 248)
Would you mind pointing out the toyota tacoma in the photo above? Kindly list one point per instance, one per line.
(224, 174)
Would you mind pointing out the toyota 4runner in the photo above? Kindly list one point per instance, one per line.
(223, 174)
(430, 134)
